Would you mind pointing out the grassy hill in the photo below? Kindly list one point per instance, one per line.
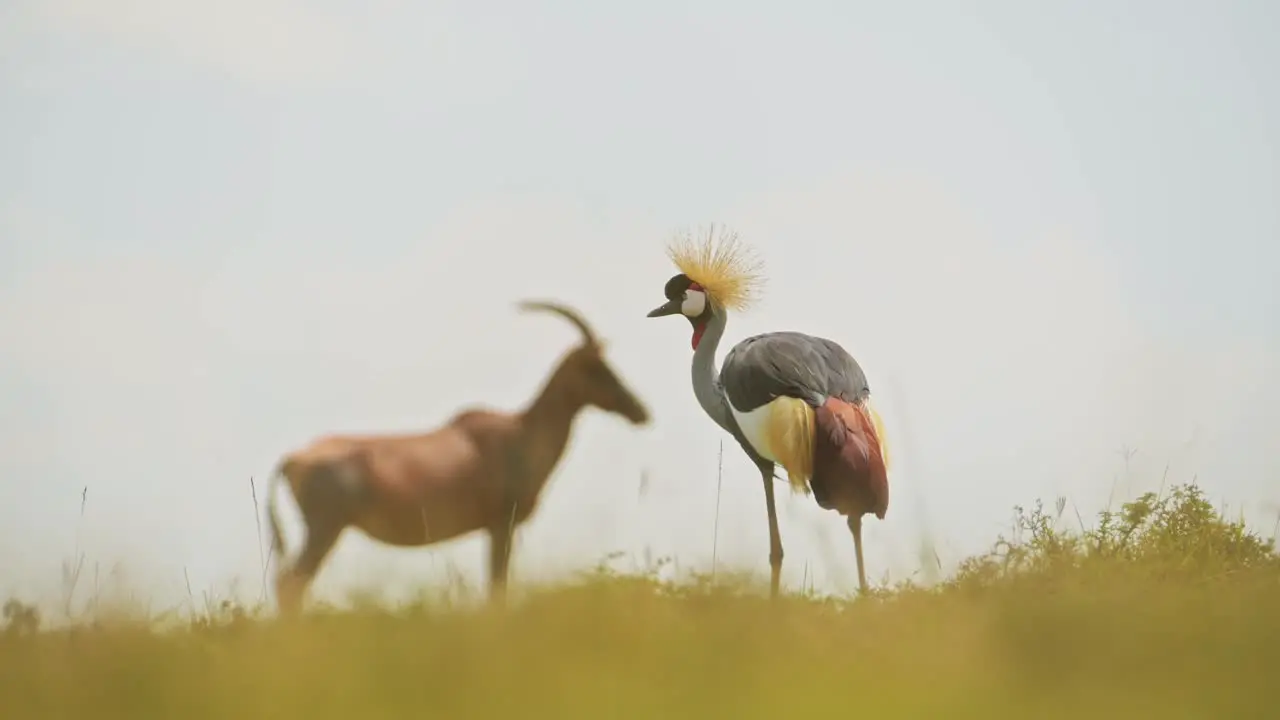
(1162, 609)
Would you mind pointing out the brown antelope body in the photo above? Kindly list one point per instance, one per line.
(482, 470)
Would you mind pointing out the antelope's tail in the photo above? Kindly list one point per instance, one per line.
(273, 518)
(850, 459)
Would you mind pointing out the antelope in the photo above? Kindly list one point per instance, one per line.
(483, 469)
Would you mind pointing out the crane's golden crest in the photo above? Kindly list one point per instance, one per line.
(728, 270)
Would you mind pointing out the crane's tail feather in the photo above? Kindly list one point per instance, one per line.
(849, 461)
(878, 423)
(791, 439)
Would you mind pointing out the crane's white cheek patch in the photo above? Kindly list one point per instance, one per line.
(695, 302)
(755, 427)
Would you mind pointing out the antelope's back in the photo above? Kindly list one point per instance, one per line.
(298, 465)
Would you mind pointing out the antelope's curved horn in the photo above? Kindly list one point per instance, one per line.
(588, 336)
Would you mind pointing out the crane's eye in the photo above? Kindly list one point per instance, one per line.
(694, 303)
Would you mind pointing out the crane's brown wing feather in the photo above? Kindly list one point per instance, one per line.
(849, 473)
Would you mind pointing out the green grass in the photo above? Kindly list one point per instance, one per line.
(1163, 609)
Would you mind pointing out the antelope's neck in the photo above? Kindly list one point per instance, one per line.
(548, 423)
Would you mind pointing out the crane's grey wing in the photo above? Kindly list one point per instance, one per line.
(764, 367)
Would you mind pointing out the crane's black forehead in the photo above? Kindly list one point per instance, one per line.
(676, 286)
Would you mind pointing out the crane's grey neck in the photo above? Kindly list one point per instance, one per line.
(706, 379)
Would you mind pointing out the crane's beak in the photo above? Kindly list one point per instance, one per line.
(671, 307)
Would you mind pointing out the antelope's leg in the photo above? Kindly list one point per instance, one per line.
(292, 584)
(775, 537)
(499, 560)
(328, 502)
(502, 528)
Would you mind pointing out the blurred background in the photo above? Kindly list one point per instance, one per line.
(1048, 233)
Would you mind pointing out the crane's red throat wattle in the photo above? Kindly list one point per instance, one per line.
(698, 329)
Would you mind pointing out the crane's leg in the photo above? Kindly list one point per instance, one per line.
(775, 538)
(855, 527)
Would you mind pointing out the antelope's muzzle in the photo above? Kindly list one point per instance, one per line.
(636, 412)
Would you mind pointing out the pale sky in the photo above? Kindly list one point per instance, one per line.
(1047, 230)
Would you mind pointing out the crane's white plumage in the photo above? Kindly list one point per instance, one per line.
(695, 302)
(754, 425)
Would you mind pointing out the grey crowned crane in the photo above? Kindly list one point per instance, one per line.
(788, 398)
